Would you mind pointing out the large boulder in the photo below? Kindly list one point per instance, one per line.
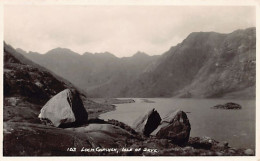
(64, 109)
(175, 126)
(147, 122)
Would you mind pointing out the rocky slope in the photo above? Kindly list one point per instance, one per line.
(205, 64)
(27, 79)
(231, 69)
(27, 86)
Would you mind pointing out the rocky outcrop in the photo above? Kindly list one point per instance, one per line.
(175, 126)
(228, 106)
(20, 139)
(147, 122)
(64, 109)
(104, 135)
(122, 125)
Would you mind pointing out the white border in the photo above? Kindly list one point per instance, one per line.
(138, 2)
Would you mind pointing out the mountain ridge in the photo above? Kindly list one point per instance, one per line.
(178, 71)
(193, 53)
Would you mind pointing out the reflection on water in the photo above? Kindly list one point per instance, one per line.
(235, 126)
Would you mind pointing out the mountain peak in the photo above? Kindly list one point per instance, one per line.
(105, 54)
(60, 50)
(87, 54)
(140, 54)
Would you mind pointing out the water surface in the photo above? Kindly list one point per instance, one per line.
(235, 126)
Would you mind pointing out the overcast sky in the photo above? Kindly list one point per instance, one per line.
(121, 30)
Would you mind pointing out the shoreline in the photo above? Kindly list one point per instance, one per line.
(104, 105)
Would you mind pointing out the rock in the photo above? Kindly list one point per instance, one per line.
(249, 152)
(64, 109)
(105, 135)
(164, 142)
(148, 122)
(175, 127)
(228, 106)
(219, 153)
(50, 141)
(122, 125)
(231, 105)
(231, 151)
(221, 146)
(202, 142)
(188, 148)
(225, 144)
(21, 138)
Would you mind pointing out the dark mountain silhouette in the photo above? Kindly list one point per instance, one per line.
(205, 64)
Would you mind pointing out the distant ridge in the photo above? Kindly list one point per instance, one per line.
(205, 64)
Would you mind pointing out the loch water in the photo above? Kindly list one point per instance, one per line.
(237, 127)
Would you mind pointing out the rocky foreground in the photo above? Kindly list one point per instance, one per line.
(27, 139)
(60, 130)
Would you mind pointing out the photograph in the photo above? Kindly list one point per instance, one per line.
(129, 80)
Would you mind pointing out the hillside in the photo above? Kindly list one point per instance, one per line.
(26, 79)
(205, 64)
(232, 68)
(28, 86)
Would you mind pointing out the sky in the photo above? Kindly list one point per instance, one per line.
(121, 30)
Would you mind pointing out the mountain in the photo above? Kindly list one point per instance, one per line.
(100, 74)
(126, 71)
(231, 69)
(205, 64)
(28, 86)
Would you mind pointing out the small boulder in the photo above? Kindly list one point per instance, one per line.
(64, 109)
(175, 126)
(147, 123)
(202, 142)
(249, 152)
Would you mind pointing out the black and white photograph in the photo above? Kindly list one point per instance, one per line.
(129, 80)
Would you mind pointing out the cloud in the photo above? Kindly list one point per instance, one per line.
(121, 30)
